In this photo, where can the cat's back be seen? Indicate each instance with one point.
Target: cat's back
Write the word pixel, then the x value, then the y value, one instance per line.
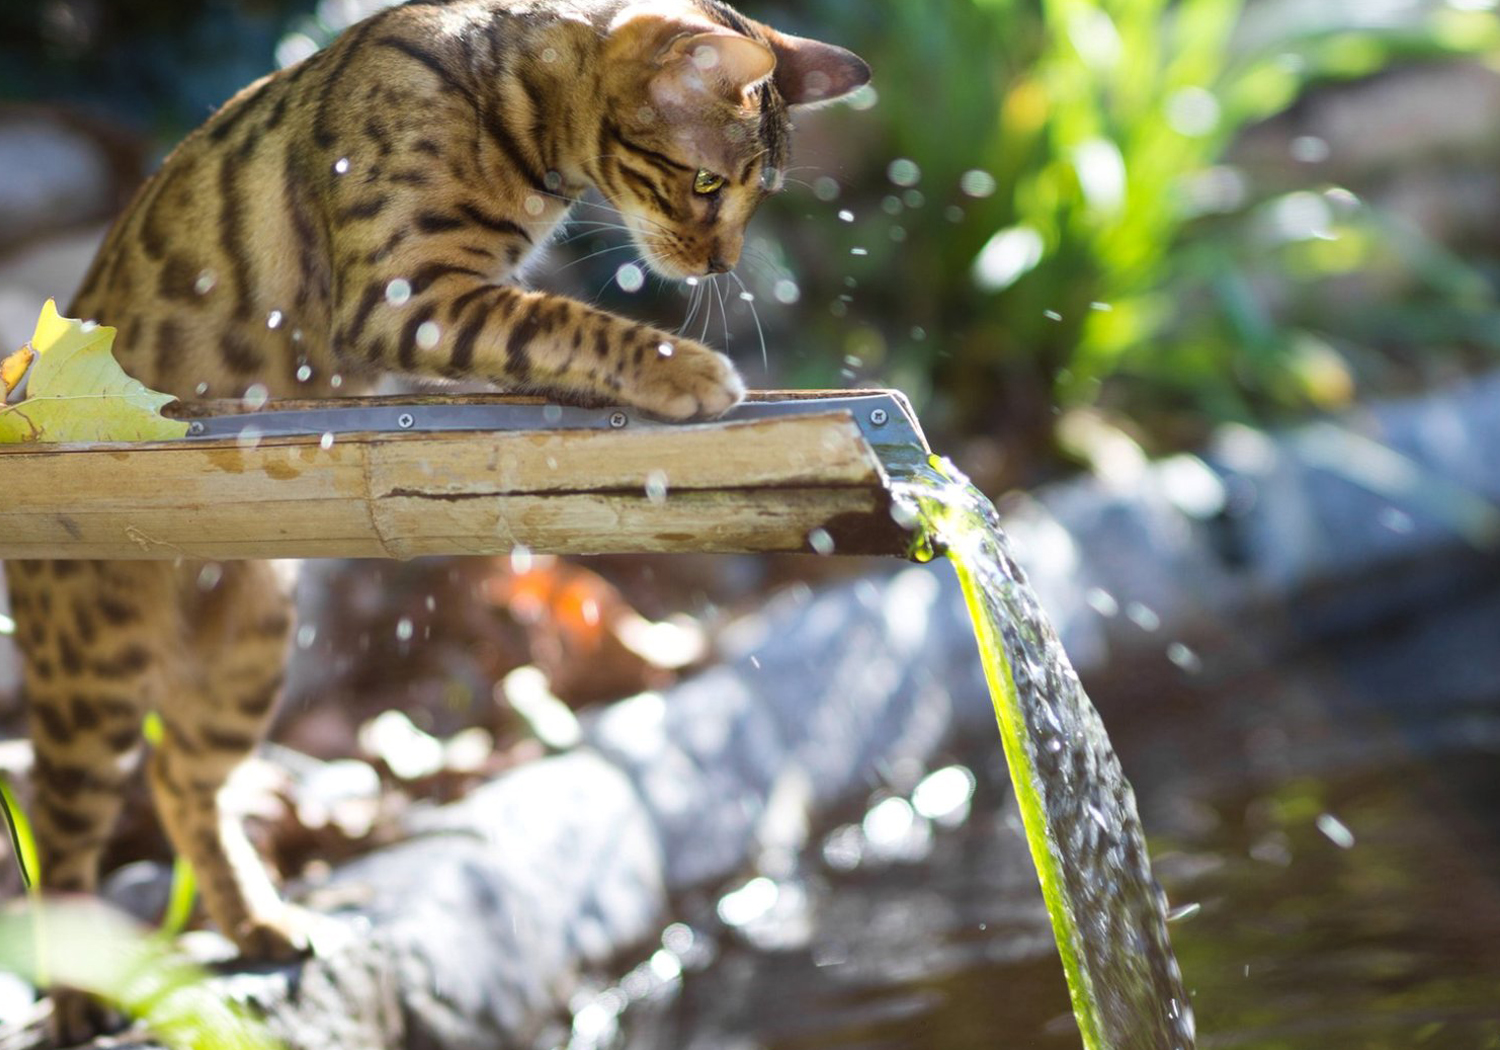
pixel 222 274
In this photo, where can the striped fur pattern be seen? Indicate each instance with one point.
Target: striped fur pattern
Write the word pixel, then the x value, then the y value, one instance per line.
pixel 366 212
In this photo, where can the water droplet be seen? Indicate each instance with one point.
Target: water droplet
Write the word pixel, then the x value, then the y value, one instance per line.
pixel 1052 315
pixel 953 213
pixel 859 251
pixel 534 204
pixel 656 487
pixel 748 297
pixel 209 576
pixel 787 292
pixel 630 277
pixel 398 292
pixel 1336 830
pixel 304 373
pixel 404 629
pixel 1102 602
pixel 521 560
pixel 326 441
pixel 913 198
pixel 977 183
pixel 553 180
pixel 1310 149
pixel 256 396
pixel 306 635
pixel 826 188
pixel 335 380
pixel 1396 520
pixel 341 166
pixel 820 541
pixel 705 57
pixel 1102 308
pixel 274 319
pixel 898 234
pixel 1142 616
pixel 205 283
pixel 904 172
pixel 892 205
pixel 845 215
pixel 1185 911
pixel 918 333
pixel 1184 658
pixel 428 334
pixel 664 350
pixel 549 54
pixel 201 389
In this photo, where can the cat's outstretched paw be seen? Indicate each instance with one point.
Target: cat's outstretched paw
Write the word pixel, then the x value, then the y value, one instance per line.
pixel 689 382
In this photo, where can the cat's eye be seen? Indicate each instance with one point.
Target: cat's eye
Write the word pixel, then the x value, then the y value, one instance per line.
pixel 706 182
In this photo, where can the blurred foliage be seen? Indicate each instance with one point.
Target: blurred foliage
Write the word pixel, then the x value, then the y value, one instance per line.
pixel 88 946
pixel 1038 206
pixel 1078 235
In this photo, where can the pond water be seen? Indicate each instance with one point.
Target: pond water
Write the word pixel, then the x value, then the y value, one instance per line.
pixel 1329 839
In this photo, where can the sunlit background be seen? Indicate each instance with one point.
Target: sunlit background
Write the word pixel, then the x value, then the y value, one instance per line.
pixel 1075 233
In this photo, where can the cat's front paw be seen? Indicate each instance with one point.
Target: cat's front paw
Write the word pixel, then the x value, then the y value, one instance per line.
pixel 687 381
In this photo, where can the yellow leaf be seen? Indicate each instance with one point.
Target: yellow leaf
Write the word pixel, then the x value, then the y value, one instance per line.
pixel 13 368
pixel 79 392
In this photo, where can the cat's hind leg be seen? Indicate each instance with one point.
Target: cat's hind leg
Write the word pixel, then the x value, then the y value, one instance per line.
pixel 93 649
pixel 214 712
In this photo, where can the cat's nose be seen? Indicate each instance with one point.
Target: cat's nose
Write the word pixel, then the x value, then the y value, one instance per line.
pixel 717 264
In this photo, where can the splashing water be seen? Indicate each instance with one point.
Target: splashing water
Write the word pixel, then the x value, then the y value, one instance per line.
pixel 1108 914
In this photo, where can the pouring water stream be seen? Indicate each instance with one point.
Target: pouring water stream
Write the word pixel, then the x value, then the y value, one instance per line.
pixel 1108 914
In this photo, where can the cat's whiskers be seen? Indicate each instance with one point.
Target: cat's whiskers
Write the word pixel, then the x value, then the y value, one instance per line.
pixel 749 300
pixel 708 314
pixel 695 299
pixel 724 310
pixel 593 255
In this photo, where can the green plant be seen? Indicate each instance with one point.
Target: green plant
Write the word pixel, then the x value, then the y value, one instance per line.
pixel 1079 234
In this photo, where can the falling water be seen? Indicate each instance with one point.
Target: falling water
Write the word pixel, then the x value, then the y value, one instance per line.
pixel 1108 914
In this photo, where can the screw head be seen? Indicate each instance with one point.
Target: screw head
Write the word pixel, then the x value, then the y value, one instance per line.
pixel 878 417
pixel 618 419
pixel 195 427
pixel 406 421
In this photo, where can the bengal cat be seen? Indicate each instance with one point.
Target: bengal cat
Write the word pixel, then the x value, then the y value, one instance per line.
pixel 366 212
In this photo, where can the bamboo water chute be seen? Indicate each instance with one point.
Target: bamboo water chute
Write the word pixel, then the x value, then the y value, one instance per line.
pixel 408 476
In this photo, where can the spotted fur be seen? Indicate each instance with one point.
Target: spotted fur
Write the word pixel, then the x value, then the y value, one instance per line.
pixel 366 212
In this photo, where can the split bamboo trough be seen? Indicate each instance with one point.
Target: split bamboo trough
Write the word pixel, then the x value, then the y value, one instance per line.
pixel 410 476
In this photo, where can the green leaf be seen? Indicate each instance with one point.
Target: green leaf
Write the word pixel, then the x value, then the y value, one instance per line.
pixel 79 392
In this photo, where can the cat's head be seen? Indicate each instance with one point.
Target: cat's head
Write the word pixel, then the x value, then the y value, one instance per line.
pixel 694 124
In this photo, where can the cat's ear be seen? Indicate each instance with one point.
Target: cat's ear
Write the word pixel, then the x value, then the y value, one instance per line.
pixel 809 71
pixel 691 59
pixel 716 63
